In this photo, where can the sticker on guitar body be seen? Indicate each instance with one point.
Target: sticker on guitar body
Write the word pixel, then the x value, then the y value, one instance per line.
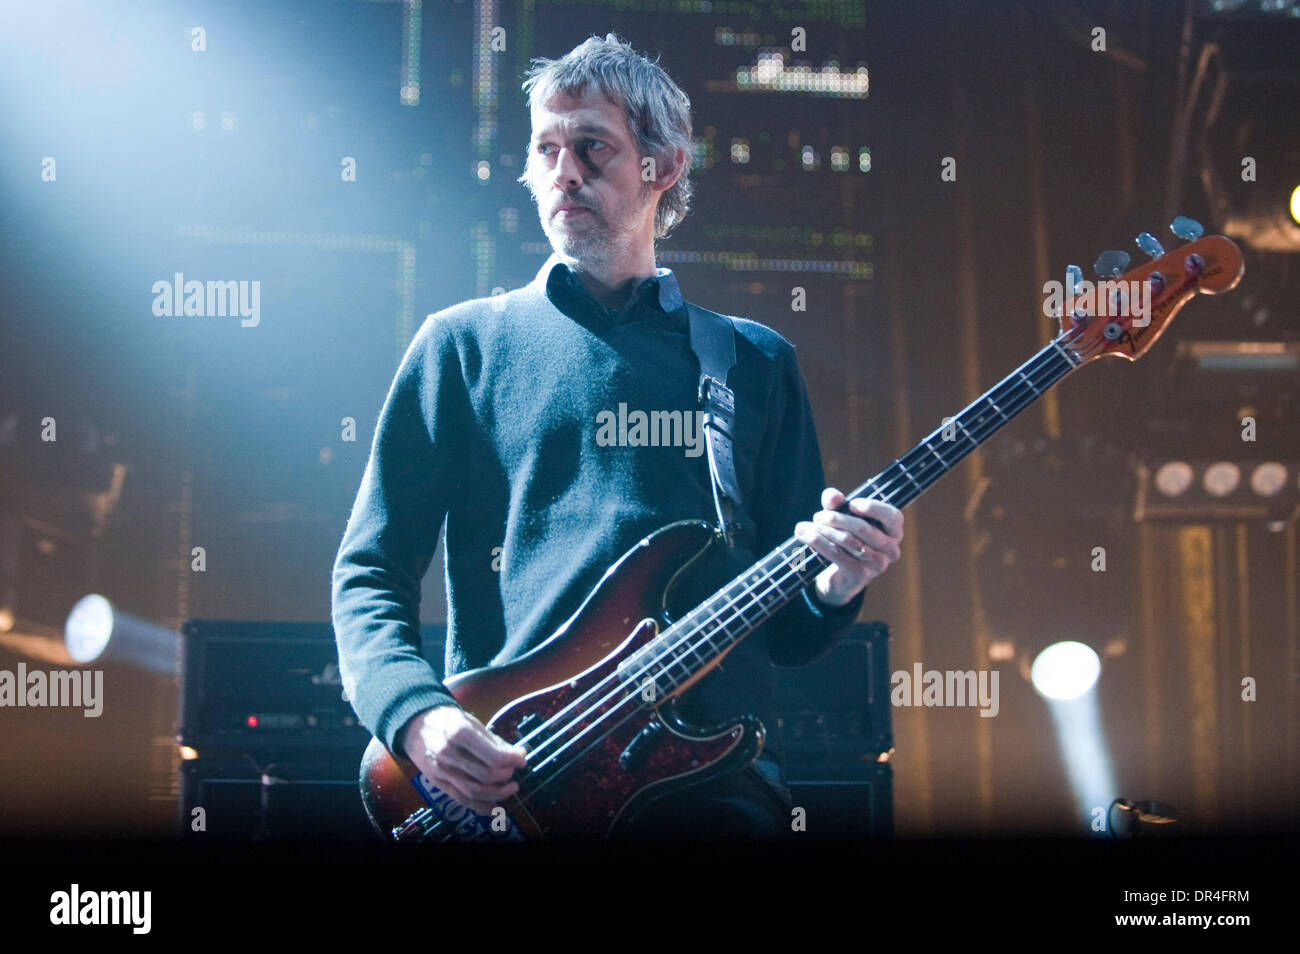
pixel 468 825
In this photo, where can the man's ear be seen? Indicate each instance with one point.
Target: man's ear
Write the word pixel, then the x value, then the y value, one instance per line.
pixel 675 170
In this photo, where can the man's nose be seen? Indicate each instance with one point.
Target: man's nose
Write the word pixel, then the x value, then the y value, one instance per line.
pixel 568 170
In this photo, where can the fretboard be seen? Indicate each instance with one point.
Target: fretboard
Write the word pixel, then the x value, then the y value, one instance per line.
pixel 700 639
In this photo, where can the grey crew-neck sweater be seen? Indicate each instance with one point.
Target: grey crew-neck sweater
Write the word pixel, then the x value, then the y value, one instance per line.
pixel 515 419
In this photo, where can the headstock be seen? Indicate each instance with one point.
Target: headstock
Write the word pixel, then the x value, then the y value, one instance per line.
pixel 1124 313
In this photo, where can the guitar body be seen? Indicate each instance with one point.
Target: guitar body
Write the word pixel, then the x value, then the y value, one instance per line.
pixel 595 795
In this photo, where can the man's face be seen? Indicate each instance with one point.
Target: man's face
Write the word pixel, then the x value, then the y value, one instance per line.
pixel 582 154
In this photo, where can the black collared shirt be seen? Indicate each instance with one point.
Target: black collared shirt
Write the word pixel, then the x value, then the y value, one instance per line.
pixel 654 297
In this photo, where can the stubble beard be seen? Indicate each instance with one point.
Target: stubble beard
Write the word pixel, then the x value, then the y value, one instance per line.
pixel 597 246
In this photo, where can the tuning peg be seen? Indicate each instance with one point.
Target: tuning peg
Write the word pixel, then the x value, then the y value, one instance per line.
pixel 1111 263
pixel 1185 228
pixel 1074 275
pixel 1150 244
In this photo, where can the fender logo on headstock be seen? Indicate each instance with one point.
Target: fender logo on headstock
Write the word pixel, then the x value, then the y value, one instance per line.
pixel 1170 298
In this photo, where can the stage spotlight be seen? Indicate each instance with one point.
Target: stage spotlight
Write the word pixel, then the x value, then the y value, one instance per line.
pixel 1295 204
pixel 1065 670
pixel 1174 478
pixel 97 630
pixel 89 626
pixel 1221 478
pixel 1065 674
pixel 1268 478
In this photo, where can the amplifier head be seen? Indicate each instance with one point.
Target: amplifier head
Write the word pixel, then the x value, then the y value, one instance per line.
pixel 268 689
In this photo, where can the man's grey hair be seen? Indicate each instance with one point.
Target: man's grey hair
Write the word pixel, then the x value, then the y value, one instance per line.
pixel 658 112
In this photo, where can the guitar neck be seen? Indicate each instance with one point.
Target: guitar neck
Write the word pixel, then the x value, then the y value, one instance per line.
pixel 912 474
pixel 698 641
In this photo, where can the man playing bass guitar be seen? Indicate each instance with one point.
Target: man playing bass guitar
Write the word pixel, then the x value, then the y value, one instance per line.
pixel 518 420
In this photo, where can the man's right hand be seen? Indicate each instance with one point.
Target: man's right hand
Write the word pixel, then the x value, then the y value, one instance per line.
pixel 462 757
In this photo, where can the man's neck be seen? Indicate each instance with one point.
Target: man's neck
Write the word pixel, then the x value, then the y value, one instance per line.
pixel 613 286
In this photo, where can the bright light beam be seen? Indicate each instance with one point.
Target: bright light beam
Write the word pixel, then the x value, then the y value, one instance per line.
pixel 1066 674
pixel 96 629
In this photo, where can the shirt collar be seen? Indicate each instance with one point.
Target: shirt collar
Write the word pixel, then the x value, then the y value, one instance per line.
pixel 661 291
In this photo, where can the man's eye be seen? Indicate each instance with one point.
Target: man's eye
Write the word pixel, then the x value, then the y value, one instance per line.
pixel 545 148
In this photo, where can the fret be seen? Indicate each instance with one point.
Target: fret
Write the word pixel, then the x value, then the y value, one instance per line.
pixel 662 664
pixel 989 402
pixel 646 659
pixel 908 475
pixel 741 613
pixel 1064 354
pixel 794 587
pixel 871 484
pixel 942 462
pixel 750 598
pixel 779 585
pixel 792 580
pixel 756 582
pixel 799 560
pixel 691 646
pixel 1030 383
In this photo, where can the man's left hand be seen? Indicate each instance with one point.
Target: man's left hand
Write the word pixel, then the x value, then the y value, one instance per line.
pixel 858 551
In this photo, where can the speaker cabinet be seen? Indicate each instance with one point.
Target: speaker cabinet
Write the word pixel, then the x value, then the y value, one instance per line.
pixel 291 801
pixel 845 803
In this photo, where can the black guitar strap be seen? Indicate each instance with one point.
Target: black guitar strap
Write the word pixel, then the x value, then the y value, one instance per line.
pixel 713 339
